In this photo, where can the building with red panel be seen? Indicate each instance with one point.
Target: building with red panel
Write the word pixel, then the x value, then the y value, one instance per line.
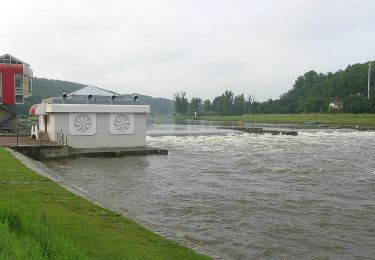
pixel 15 86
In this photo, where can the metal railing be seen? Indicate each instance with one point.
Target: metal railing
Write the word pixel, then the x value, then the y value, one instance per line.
pixel 61 138
pixel 102 100
pixel 19 140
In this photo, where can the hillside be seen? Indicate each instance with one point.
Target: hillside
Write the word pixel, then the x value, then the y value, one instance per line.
pixel 45 88
pixel 312 92
pixel 158 106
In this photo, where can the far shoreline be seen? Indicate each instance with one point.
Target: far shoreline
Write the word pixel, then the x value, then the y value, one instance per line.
pixel 318 120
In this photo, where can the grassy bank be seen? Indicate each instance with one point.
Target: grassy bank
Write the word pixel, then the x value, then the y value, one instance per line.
pixel 326 119
pixel 72 221
pixel 25 236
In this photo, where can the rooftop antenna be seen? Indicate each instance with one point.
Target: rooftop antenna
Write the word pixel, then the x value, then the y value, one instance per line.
pixel 368 81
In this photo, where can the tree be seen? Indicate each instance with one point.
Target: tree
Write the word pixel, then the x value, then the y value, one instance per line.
pixel 184 103
pixel 250 100
pixel 217 105
pixel 196 105
pixel 181 103
pixel 239 105
pixel 314 105
pixel 177 103
pixel 227 102
pixel 356 104
pixel 207 106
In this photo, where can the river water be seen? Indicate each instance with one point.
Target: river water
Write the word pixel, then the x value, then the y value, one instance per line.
pixel 246 196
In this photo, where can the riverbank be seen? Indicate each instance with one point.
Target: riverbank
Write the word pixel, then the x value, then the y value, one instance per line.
pixel 101 233
pixel 334 119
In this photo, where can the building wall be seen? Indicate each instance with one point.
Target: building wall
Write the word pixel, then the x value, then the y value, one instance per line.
pixel 26 82
pixel 102 136
pixel 8 71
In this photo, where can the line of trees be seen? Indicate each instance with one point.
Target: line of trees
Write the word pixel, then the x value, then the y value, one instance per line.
pixel 314 91
pixel 311 93
pixel 225 104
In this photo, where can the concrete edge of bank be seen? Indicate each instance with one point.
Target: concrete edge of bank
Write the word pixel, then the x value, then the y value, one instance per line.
pixel 51 152
pixel 43 170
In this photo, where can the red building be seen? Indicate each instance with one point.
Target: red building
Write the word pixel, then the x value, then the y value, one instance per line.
pixel 15 86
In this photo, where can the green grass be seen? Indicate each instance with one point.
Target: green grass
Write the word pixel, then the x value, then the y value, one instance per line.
pixel 100 233
pixel 339 119
pixel 24 236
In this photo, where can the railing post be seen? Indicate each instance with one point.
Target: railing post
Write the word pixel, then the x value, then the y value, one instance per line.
pixel 17 136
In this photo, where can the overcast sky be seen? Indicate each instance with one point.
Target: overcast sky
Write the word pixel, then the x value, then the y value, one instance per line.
pixel 203 47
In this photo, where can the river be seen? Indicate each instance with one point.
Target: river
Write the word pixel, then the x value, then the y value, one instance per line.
pixel 246 196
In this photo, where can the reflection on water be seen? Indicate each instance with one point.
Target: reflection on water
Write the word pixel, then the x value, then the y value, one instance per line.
pixel 248 196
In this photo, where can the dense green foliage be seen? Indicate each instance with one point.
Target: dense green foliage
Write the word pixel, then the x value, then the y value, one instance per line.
pixel 101 233
pixel 181 103
pixel 46 88
pixel 226 104
pixel 311 93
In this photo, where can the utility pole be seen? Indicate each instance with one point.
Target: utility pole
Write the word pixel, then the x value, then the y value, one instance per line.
pixel 368 81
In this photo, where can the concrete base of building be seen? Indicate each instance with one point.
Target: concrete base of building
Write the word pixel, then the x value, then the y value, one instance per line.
pixel 41 153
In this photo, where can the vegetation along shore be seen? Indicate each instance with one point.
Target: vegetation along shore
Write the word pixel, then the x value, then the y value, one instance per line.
pixel 334 119
pixel 345 91
pixel 41 220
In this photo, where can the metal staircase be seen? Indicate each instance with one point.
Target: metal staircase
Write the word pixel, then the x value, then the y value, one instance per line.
pixel 8 118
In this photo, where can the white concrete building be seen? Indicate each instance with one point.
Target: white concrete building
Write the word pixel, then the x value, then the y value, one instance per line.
pixel 92 121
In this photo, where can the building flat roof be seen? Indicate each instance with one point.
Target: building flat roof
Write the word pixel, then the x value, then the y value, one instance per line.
pixel 94 91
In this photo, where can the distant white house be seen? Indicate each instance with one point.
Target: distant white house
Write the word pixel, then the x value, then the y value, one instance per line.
pixel 92 118
pixel 336 105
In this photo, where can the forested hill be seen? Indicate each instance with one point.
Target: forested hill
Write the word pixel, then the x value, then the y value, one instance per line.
pixel 45 88
pixel 158 106
pixel 313 92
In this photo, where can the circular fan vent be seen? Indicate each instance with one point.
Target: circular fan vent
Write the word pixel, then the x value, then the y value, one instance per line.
pixel 121 122
pixel 82 123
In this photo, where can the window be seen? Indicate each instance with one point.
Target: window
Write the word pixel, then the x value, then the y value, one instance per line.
pixel 19 99
pixel 1 88
pixel 30 85
pixel 18 88
pixel 7 59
